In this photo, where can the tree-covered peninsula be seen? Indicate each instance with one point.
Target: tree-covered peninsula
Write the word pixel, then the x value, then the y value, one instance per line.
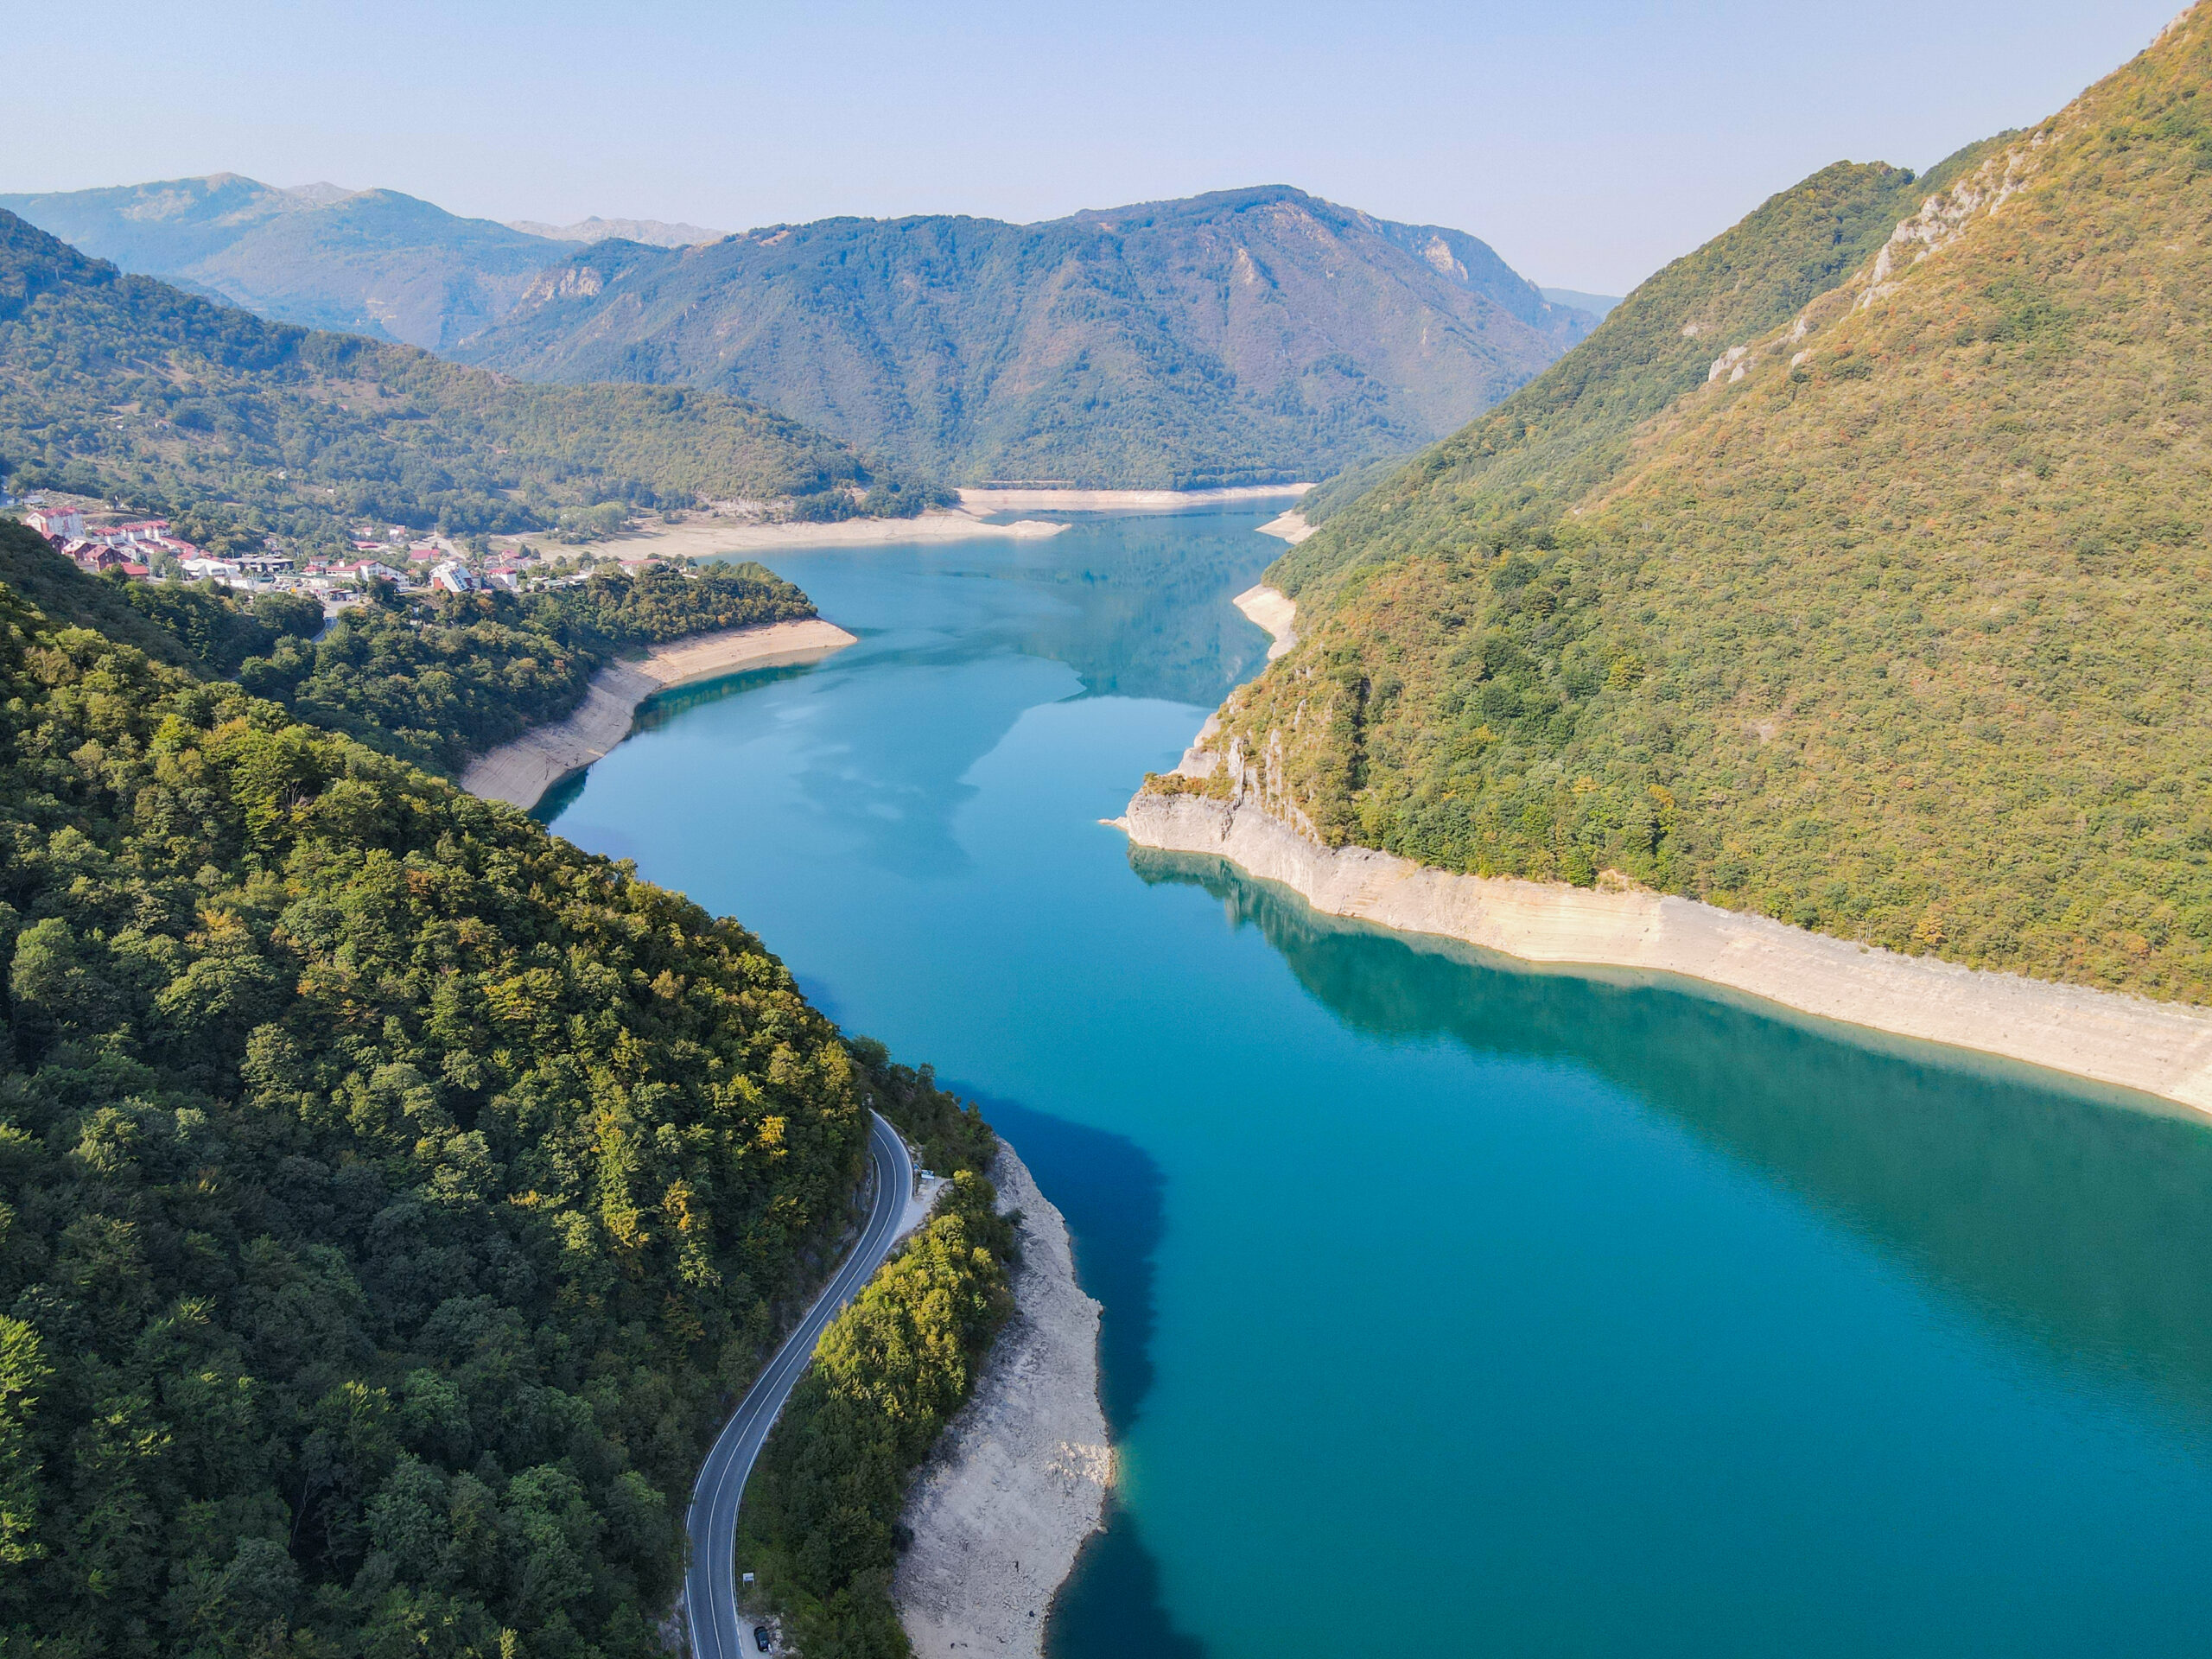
pixel 432 678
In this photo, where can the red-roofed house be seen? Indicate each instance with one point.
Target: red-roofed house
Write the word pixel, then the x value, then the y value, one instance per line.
pixel 93 555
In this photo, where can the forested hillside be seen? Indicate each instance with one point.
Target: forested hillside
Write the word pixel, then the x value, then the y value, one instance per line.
pixel 434 679
pixel 362 262
pixel 124 387
pixel 820 1522
pixel 439 681
pixel 1244 336
pixel 391 1189
pixel 1881 609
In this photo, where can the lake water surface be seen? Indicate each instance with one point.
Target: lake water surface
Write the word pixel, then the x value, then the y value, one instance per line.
pixel 1451 1306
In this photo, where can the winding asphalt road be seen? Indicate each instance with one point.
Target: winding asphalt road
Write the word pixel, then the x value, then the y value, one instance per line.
pixel 710 1584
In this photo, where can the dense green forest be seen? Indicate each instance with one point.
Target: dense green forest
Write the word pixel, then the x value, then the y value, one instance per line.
pixel 437 681
pixel 820 1520
pixel 432 680
pixel 1243 336
pixel 1878 610
pixel 391 1189
pixel 124 388
pixel 1318 505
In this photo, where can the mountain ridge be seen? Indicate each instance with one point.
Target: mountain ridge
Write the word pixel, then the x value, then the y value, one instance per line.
pixel 1240 336
pixel 124 386
pixel 372 262
pixel 654 233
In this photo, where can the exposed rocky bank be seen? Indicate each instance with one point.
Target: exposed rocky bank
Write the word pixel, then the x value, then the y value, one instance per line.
pixel 1019 1480
pixel 2161 1048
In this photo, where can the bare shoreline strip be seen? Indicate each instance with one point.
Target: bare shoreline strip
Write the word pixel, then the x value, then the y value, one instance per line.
pixel 709 539
pixel 2158 1048
pixel 1016 500
pixel 1018 1482
pixel 521 772
pixel 1290 526
pixel 1274 610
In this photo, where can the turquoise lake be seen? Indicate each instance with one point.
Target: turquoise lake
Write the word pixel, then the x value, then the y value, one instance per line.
pixel 1451 1306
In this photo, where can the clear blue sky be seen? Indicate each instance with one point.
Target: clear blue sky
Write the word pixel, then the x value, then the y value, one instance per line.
pixel 1589 141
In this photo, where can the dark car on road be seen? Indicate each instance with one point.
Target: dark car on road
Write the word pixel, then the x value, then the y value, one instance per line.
pixel 760 1637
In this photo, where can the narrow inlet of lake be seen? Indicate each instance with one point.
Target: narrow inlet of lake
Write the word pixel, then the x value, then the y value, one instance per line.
pixel 1451 1306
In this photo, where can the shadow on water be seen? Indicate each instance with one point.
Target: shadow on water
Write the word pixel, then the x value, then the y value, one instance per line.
pixel 664 706
pixel 658 711
pixel 1112 1194
pixel 1112 1607
pixel 2083 1221
pixel 563 796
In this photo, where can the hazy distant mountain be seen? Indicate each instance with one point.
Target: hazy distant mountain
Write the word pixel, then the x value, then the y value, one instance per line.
pixel 124 387
pixel 372 262
pixel 654 233
pixel 1596 304
pixel 1247 334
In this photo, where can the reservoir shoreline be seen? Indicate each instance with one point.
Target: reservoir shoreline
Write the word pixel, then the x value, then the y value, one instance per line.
pixel 1122 501
pixel 522 770
pixel 1289 526
pixel 714 537
pixel 2163 1049
pixel 1018 1480
pixel 1921 1283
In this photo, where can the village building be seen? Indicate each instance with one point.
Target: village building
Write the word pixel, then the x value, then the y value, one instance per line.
pixel 366 570
pixel 94 557
pixel 57 524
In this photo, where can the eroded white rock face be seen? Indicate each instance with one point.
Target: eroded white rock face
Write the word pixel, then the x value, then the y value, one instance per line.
pixel 568 283
pixel 1020 1480
pixel 1942 217
pixel 1439 254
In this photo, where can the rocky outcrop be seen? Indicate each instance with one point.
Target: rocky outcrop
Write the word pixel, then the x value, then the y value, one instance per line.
pixel 1019 1481
pixel 2161 1048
